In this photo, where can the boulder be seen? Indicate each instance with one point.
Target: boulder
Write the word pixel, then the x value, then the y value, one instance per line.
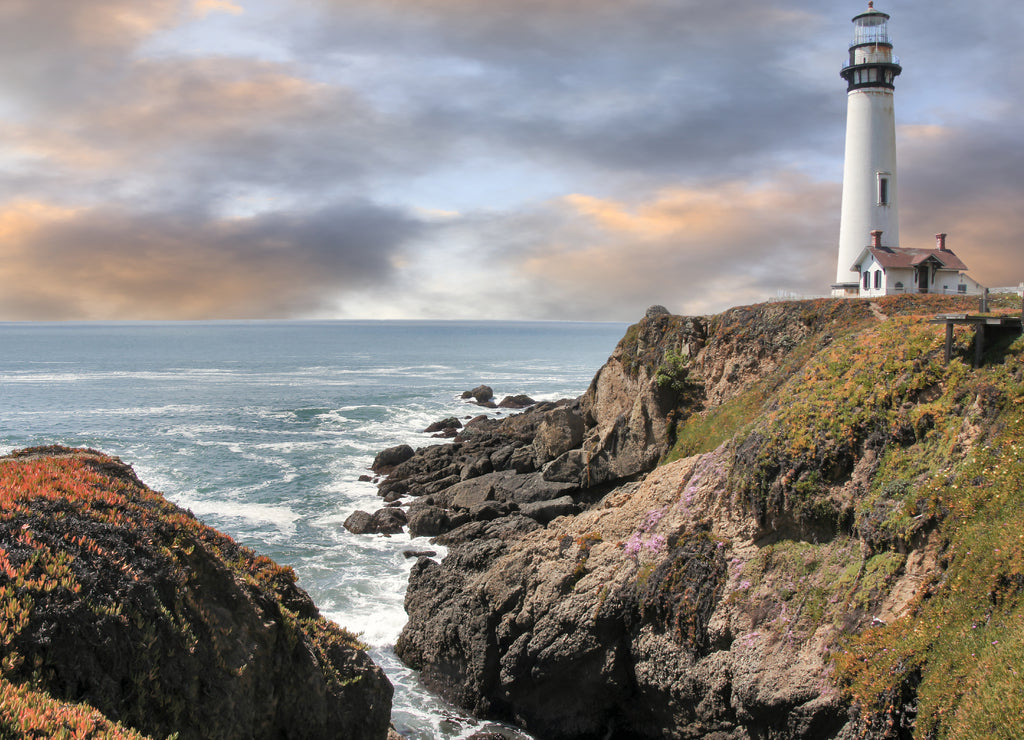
pixel 359 522
pixel 480 394
pixel 516 402
pixel 428 521
pixel 383 521
pixel 560 431
pixel 392 456
pixel 476 467
pixel 546 511
pixel 656 311
pixel 472 492
pixel 444 425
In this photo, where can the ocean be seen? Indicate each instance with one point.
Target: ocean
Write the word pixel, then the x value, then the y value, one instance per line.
pixel 262 429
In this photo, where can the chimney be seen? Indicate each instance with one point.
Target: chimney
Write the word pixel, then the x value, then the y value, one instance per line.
pixel 940 242
pixel 876 238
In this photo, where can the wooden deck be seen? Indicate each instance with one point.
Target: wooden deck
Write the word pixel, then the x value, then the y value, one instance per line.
pixel 984 326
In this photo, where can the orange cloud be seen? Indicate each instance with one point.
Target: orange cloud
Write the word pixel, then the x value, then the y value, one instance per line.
pixel 691 248
pixel 203 8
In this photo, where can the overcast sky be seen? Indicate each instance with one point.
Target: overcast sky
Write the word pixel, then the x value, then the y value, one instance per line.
pixel 530 159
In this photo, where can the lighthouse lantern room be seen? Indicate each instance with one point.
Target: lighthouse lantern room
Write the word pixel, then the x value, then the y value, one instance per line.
pixel 869 170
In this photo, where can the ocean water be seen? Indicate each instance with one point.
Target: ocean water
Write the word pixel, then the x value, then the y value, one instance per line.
pixel 262 430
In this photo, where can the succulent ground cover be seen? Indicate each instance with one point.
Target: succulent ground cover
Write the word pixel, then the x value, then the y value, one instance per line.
pixel 114 599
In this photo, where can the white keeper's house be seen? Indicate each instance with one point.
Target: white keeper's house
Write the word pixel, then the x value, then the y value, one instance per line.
pixel 893 270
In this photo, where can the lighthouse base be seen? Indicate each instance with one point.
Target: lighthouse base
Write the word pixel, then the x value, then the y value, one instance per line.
pixel 845 290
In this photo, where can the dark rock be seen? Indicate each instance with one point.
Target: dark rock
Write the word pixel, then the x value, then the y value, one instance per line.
pixel 428 521
pixel 359 522
pixel 392 456
pixel 472 492
pixel 478 466
pixel 510 527
pixel 546 511
pixel 481 394
pixel 523 460
pixel 383 521
pixel 444 425
pixel 488 510
pixel 501 456
pixel 516 402
pixel 408 554
pixel 365 478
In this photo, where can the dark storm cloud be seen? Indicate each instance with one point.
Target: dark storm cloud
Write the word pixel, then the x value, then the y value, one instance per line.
pixel 700 87
pixel 109 263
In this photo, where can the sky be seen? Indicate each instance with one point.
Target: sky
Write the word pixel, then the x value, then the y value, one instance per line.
pixel 478 159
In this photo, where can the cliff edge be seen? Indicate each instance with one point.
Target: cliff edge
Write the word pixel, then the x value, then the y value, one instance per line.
pixel 791 520
pixel 122 615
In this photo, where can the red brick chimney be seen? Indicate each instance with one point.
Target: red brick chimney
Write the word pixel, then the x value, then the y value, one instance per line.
pixel 876 238
pixel 940 242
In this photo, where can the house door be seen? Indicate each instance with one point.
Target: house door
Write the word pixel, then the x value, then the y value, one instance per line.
pixel 922 279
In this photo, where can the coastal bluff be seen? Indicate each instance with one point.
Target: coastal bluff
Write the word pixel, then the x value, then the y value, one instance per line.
pixel 789 520
pixel 122 616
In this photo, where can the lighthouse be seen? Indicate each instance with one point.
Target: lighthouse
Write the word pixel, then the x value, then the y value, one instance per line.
pixel 869 169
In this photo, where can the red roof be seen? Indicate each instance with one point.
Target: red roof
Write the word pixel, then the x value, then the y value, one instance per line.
pixel 896 257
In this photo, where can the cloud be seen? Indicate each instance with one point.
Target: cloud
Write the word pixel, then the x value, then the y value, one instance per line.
pixel 203 8
pixel 501 158
pixel 107 263
pixel 965 181
pixel 694 250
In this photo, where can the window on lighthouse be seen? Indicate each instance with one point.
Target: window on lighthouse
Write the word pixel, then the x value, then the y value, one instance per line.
pixel 883 189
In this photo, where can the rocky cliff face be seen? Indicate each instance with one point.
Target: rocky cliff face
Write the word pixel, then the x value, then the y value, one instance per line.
pixel 113 599
pixel 832 552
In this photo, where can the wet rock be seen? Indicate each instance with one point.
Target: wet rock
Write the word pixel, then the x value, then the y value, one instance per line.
pixel 392 456
pixel 516 402
pixel 450 423
pixel 428 521
pixel 383 521
pixel 481 394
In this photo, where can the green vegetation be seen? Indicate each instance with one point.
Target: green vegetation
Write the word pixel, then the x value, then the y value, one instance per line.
pixel 112 595
pixel 864 446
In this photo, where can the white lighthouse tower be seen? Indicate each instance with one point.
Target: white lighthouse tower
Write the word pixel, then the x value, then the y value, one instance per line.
pixel 869 169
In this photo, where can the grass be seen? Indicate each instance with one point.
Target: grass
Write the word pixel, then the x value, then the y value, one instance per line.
pixel 941 451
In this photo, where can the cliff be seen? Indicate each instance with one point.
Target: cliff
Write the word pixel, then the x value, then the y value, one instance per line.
pixel 123 616
pixel 791 520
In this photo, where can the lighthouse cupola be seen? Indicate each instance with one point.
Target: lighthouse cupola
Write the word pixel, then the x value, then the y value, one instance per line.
pixel 872 63
pixel 869 167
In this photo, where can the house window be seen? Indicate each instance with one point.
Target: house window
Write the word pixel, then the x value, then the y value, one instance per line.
pixel 867 280
pixel 961 288
pixel 883 188
pixel 878 279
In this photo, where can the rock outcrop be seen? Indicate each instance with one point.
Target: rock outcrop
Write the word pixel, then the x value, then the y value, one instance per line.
pixel 828 549
pixel 113 598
